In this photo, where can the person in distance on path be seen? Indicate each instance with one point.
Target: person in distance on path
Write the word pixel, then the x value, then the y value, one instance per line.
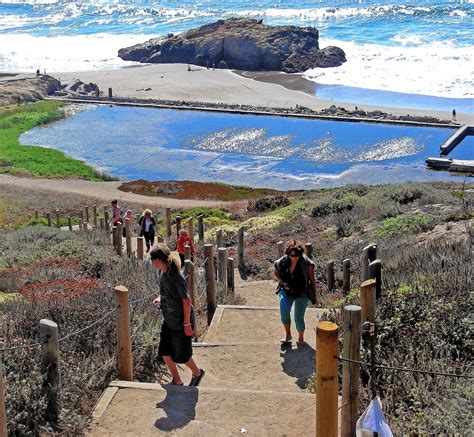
pixel 177 328
pixel 295 273
pixel 147 225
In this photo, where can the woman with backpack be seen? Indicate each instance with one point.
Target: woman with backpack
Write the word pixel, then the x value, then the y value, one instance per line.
pixel 294 272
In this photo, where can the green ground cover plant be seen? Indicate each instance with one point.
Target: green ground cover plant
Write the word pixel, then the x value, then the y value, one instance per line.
pixel 33 160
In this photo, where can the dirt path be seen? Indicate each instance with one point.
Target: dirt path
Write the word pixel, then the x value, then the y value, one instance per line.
pixel 107 191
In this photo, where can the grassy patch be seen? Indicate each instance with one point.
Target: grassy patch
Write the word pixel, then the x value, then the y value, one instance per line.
pixel 405 223
pixel 34 160
pixel 6 296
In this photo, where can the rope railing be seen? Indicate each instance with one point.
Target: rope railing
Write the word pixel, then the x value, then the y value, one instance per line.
pixel 404 369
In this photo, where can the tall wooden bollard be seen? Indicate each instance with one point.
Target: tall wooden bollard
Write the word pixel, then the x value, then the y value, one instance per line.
pixel 128 237
pixel 114 237
pixel 69 222
pixel 81 226
pixel 36 214
pixel 280 249
pixel 346 275
pixel 326 379
pixel 308 250
pixel 58 219
pixel 222 266
pixel 160 239
pixel 190 224
pixel 210 281
pixel 240 247
pixel 178 224
pixel 189 275
pixel 119 233
pixel 3 410
pixel 29 217
pixel 86 209
pixel 94 215
pixel 350 371
pixel 124 338
pixel 367 301
pixel 168 222
pixel 48 218
pixel 140 253
pixel 50 367
pixel 219 239
pixel 187 252
pixel 330 275
pixel 110 93
pixel 375 272
pixel 81 214
pixel 102 223
pixel 107 221
pixel 201 227
pixel 369 253
pixel 230 275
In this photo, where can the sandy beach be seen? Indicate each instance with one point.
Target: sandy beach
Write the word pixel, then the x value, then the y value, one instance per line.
pixel 175 82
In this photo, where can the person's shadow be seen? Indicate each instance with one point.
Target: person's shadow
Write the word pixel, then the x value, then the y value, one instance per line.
pixel 179 406
pixel 298 362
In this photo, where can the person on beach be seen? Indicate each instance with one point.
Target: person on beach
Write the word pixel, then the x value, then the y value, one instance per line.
pixel 178 316
pixel 294 272
pixel 184 240
pixel 147 225
pixel 116 213
pixel 128 215
pixel 454 115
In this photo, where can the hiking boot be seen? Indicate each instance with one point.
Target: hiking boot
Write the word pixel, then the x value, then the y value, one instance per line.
pixel 195 380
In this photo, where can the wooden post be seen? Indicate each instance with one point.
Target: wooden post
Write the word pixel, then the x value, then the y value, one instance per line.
pixel 110 93
pixel 137 217
pixel 222 266
pixel 94 215
pixel 230 275
pixel 201 227
pixel 210 281
pixel 240 248
pixel 367 301
pixel 3 410
pixel 308 250
pixel 369 253
pixel 114 237
pixel 106 219
pixel 58 221
pixel 160 239
pixel 330 276
pixel 187 252
pixel 140 254
pixel 189 275
pixel 350 371
pixel 119 233
pixel 326 379
pixel 50 367
pixel 191 229
pixel 124 338
pixel 81 228
pixel 346 275
pixel 81 215
pixel 101 223
pixel 48 217
pixel 168 222
pixel 280 249
pixel 128 237
pixel 29 217
pixel 86 209
pixel 36 214
pixel 178 224
pixel 219 240
pixel 375 272
pixel 69 222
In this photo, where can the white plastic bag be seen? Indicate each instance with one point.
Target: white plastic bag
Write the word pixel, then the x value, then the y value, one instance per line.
pixel 373 420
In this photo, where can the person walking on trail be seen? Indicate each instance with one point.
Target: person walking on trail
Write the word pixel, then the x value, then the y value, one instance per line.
pixel 116 213
pixel 128 215
pixel 147 225
pixel 183 240
pixel 294 272
pixel 178 317
pixel 454 115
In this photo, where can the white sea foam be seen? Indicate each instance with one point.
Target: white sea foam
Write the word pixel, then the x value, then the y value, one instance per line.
pixel 437 69
pixel 21 52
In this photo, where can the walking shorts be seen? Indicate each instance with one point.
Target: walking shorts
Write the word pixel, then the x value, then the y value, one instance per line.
pixel 176 344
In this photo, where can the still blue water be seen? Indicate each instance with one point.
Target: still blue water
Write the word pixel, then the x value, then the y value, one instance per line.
pixel 258 151
pixel 417 48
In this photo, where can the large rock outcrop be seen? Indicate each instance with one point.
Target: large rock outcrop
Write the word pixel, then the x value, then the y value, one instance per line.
pixel 241 44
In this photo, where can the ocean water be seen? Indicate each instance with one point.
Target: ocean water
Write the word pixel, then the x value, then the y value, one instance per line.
pixel 259 151
pixel 416 48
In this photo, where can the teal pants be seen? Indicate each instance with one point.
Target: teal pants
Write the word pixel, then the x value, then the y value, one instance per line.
pixel 286 302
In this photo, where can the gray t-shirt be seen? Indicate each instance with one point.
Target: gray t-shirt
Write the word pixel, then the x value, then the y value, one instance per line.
pixel 173 290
